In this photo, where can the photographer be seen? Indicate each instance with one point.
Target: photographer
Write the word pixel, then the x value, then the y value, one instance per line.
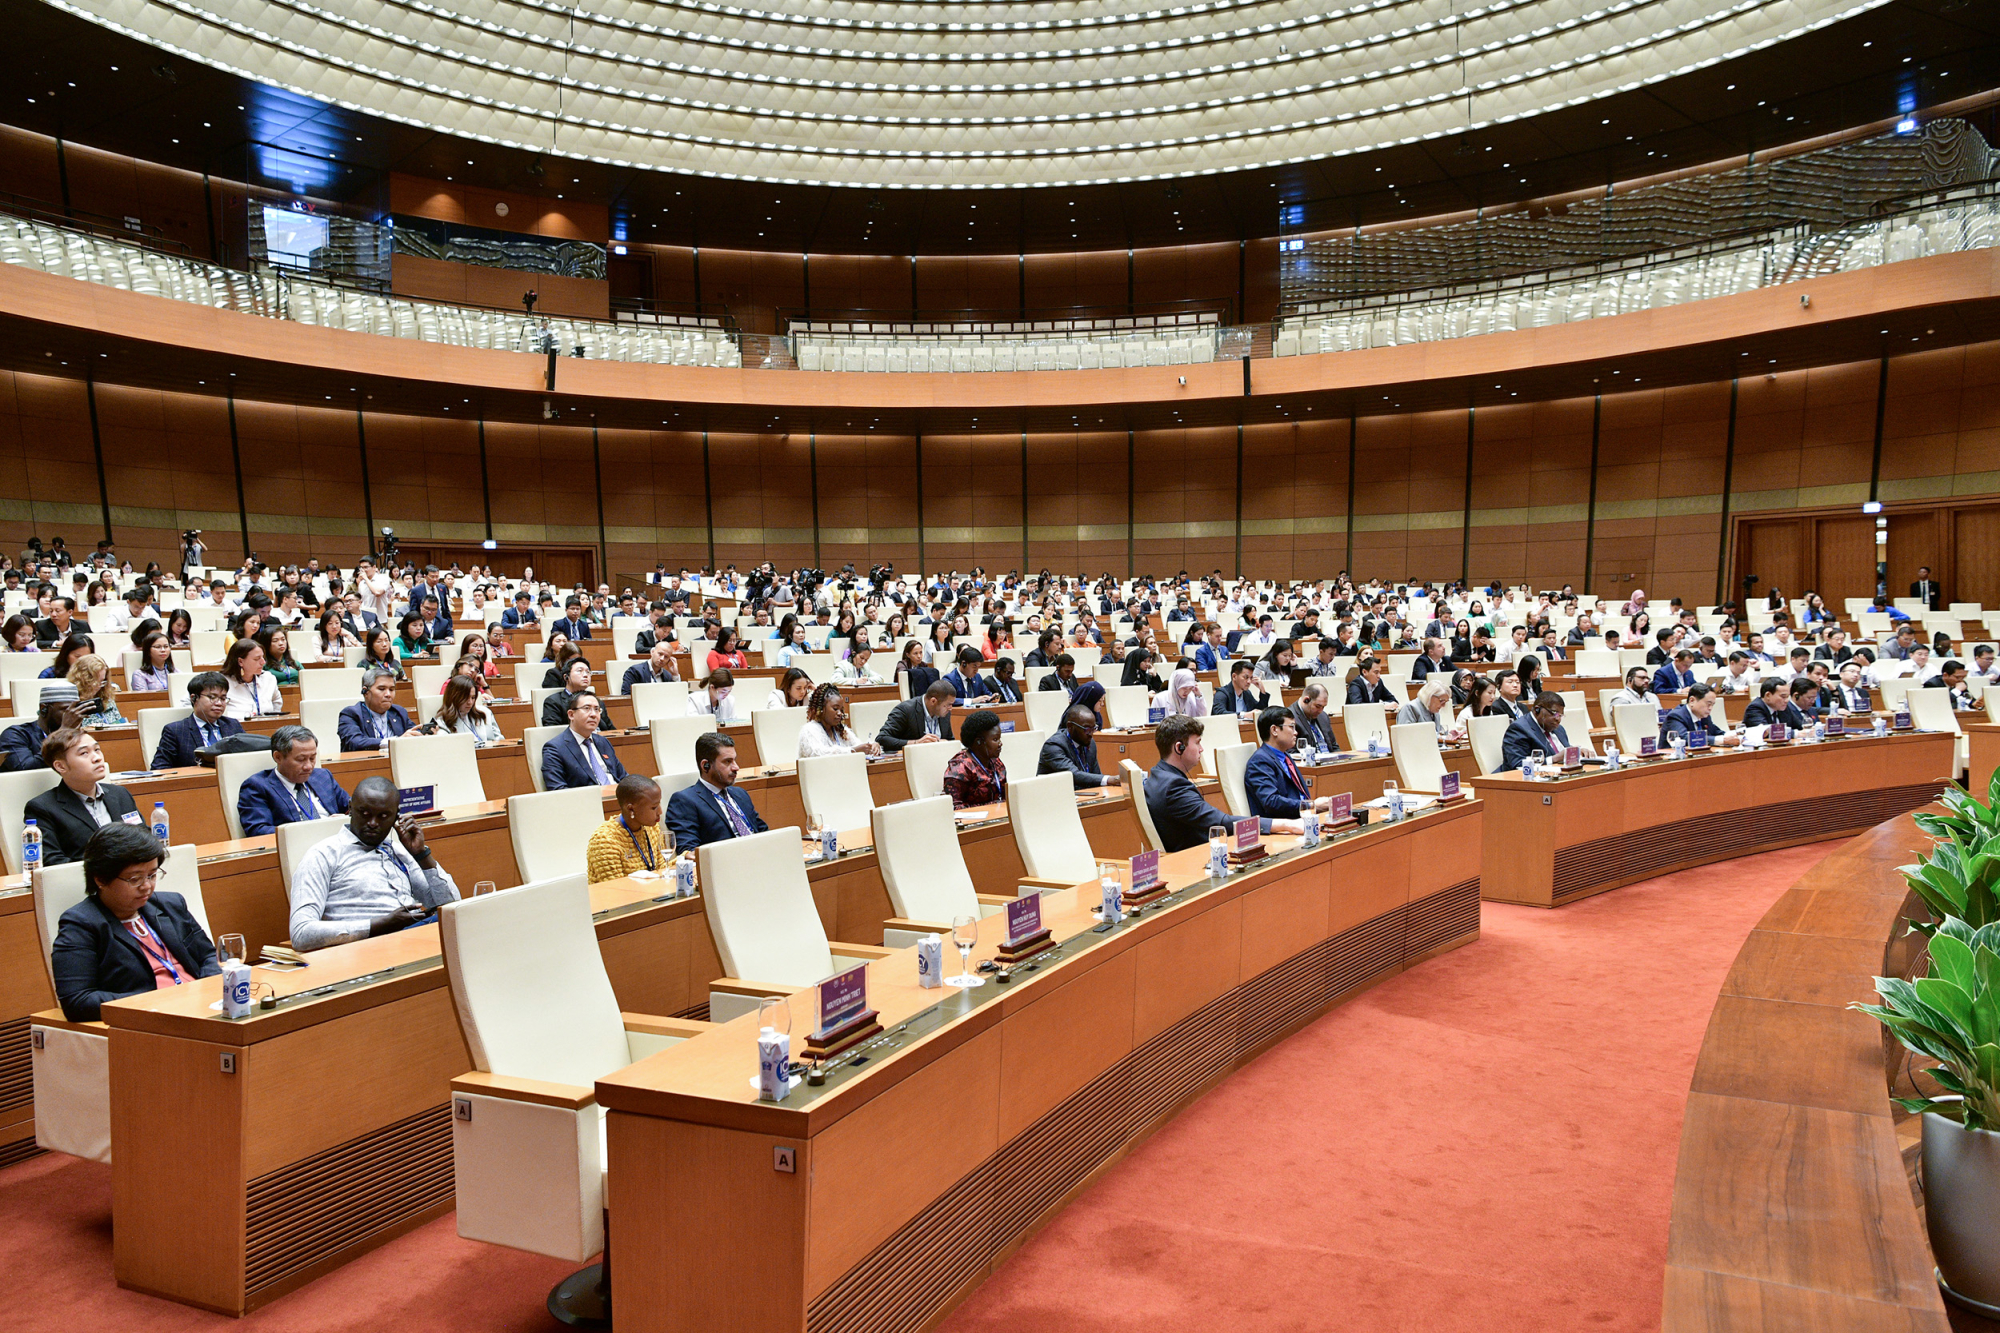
pixel 192 549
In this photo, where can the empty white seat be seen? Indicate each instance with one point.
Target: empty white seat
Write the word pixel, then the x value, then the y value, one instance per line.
pixel 924 766
pixel 923 868
pixel 777 732
pixel 1419 763
pixel 767 931
pixel 835 788
pixel 449 762
pixel 551 831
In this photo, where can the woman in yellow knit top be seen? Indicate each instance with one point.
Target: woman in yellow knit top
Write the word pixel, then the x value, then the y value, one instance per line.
pixel 634 839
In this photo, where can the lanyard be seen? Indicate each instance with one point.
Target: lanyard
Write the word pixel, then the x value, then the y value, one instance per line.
pixel 643 846
pixel 999 782
pixel 144 935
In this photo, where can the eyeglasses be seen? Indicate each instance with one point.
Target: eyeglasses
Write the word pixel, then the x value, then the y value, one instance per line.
pixel 147 880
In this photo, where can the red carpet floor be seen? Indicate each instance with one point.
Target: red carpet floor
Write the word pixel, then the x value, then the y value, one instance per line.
pixel 1485 1143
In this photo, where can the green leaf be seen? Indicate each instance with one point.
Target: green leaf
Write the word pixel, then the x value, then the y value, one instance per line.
pixel 1949 1000
pixel 1951 958
pixel 1919 1105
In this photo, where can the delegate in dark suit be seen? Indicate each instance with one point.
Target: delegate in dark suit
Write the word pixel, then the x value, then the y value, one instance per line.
pixel 179 740
pixel 96 960
pixel 1052 681
pixel 1524 736
pixel 1928 592
pixel 1061 754
pixel 642 674
pixel 921 679
pixel 1667 680
pixel 1315 734
pixel 1360 692
pixel 360 728
pixel 1760 714
pixel 1181 816
pixel 1227 699
pixel 974 686
pixel 1272 782
pixel 564 763
pixel 905 723
pixel 21 746
pixel 66 824
pixel 695 817
pixel 1680 722
pixel 266 800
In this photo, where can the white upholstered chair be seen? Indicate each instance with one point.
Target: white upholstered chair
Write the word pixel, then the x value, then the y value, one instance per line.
pixel 835 787
pixel 532 741
pixel 542 1025
pixel 1048 831
pixel 924 766
pixel 153 721
pixel 777 732
pixel 1362 721
pixel 1231 761
pixel 230 771
pixel 449 762
pixel 551 830
pixel 923 868
pixel 1135 782
pixel 658 698
pixel 1488 733
pixel 1419 763
pixel 766 929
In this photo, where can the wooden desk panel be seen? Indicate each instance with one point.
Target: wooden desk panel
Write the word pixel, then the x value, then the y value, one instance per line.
pixel 239 1178
pixel 1552 843
pixel 1983 756
pixel 1791 1207
pixel 888 1221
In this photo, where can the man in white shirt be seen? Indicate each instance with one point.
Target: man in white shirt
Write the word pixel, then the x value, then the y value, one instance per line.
pixel 1739 678
pixel 375 590
pixel 361 882
pixel 1984 666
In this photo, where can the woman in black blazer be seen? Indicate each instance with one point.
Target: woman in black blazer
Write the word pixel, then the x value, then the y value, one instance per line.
pixel 911 664
pixel 124 938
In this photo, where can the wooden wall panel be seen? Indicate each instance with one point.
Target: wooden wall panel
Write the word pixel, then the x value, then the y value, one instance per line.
pixel 842 471
pixel 529 214
pixel 1092 279
pixel 1775 553
pixel 29 163
pixel 997 489
pixel 1843 560
pixel 1054 504
pixel 947 283
pixel 166 201
pixel 1104 510
pixel 753 285
pixel 859 282
pixel 948 501
pixel 1976 572
pixel 892 500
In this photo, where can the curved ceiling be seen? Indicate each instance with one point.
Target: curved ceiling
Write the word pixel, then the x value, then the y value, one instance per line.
pixel 959 95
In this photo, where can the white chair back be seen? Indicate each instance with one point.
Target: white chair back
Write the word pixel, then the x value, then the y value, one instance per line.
pixel 426 679
pixel 777 732
pixel 153 721
pixel 208 646
pixel 230 771
pixel 835 787
pixel 1045 709
pixel 1488 733
pixel 760 910
pixel 322 718
pixel 449 762
pixel 1930 709
pixel 551 831
pixel 1419 763
pixel 1135 782
pixel 528 677
pixel 1231 761
pixel 529 984
pixel 24 666
pixel 1021 752
pixel 16 790
pixel 1363 721
pixel 867 716
pixel 673 742
pixel 658 698
pixel 1126 705
pixel 295 840
pixel 1048 828
pixel 924 766
pixel 923 866
pixel 1633 723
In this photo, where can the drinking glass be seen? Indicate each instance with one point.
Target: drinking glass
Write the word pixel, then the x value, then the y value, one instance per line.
pixel 230 946
pixel 1218 840
pixel 666 842
pixel 775 1012
pixel 484 887
pixel 965 934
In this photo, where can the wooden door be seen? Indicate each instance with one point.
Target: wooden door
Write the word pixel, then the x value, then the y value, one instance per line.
pixel 1773 550
pixel 1975 575
pixel 1844 559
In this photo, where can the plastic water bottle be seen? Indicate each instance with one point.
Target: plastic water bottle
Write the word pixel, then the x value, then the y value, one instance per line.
pixel 1610 758
pixel 774 1059
pixel 1529 763
pixel 1680 745
pixel 31 851
pixel 1311 828
pixel 684 876
pixel 930 962
pixel 1819 730
pixel 160 828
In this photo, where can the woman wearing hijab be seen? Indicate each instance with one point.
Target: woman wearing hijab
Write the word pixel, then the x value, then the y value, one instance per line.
pixel 1183 696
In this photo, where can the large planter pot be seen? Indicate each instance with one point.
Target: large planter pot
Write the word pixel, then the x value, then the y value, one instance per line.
pixel 1962 1209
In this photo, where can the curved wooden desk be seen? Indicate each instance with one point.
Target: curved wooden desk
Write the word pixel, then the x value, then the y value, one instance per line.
pixel 1552 842
pixel 1791 1207
pixel 974 1120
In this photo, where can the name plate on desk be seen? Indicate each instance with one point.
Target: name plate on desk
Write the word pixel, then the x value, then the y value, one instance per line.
pixel 1026 935
pixel 844 1015
pixel 1146 882
pixel 1776 733
pixel 1663 715
pixel 1572 757
pixel 1156 715
pixel 1249 843
pixel 1342 806
pixel 1648 746
pixel 416 800
pixel 1447 788
pixel 1836 726
pixel 1697 740
pixel 1902 722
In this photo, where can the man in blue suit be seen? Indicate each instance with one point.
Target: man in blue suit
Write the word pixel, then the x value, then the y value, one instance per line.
pixel 1271 780
pixel 293 790
pixel 572 622
pixel 1540 728
pixel 522 612
pixel 1675 676
pixel 1071 750
pixel 208 694
pixel 1180 815
pixel 377 719
pixel 1691 717
pixel 1774 704
pixel 577 756
pixel 714 808
pixel 966 683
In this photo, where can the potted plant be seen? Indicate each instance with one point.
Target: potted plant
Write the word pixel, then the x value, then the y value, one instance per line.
pixel 1961 876
pixel 1953 1016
